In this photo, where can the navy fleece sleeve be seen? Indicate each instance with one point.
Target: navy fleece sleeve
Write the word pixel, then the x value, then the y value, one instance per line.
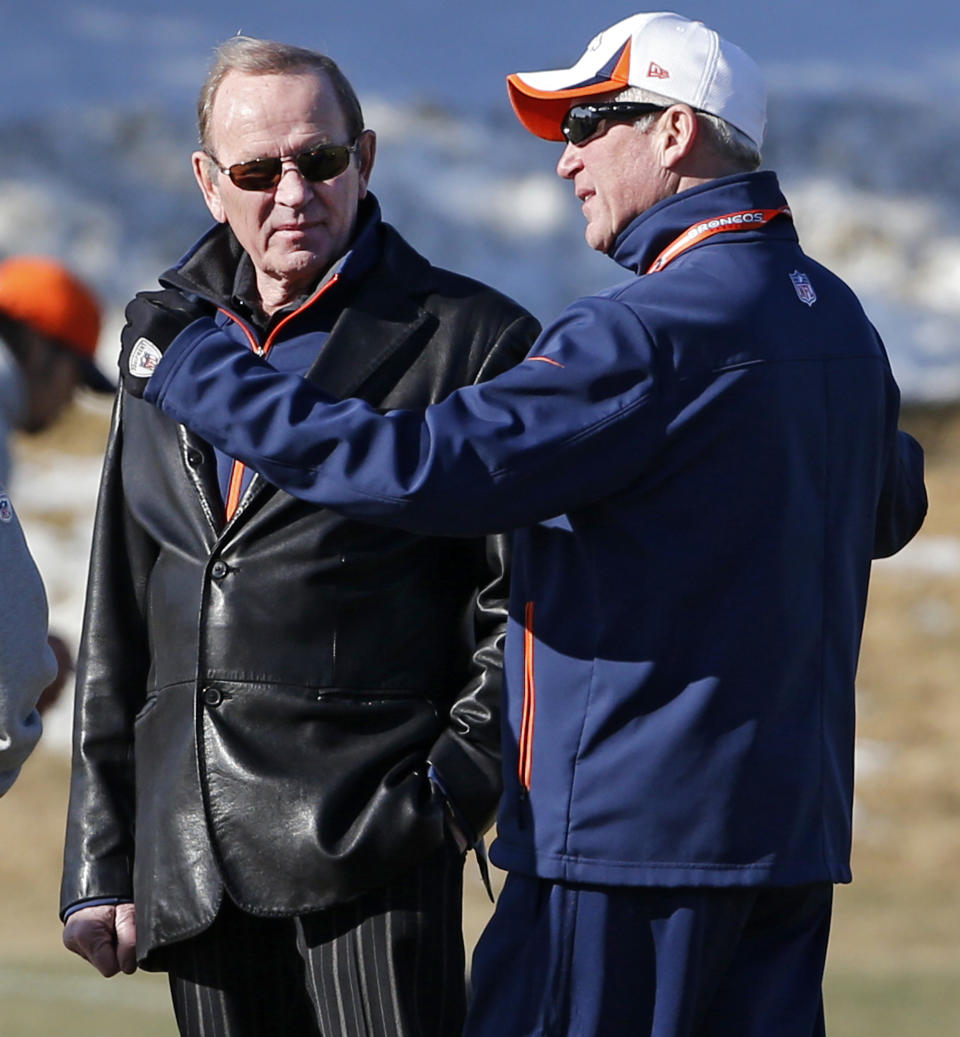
pixel 573 422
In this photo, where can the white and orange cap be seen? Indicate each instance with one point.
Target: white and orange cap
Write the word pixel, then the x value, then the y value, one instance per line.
pixel 677 58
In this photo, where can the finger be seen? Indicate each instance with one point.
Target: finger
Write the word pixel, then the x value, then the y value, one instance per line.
pixel 126 926
pixel 93 945
pixel 103 957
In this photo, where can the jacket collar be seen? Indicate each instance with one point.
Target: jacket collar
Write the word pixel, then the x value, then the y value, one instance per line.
pixel 383 314
pixel 642 240
pixel 383 274
pixel 387 281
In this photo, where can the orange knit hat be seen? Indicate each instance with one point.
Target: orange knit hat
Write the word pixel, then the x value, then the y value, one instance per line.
pixel 44 295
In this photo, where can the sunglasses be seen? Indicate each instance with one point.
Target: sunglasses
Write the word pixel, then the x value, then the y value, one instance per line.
pixel 585 121
pixel 322 162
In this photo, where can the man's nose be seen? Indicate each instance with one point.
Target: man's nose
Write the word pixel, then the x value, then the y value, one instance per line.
pixel 569 162
pixel 292 188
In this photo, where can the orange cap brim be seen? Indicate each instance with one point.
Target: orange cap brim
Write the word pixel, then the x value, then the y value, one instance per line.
pixel 542 111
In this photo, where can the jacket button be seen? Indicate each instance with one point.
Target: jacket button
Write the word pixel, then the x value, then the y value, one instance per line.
pixel 212 696
pixel 194 458
pixel 219 570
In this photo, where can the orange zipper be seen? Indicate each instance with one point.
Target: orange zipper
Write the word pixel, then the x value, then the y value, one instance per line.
pixel 525 765
pixel 236 472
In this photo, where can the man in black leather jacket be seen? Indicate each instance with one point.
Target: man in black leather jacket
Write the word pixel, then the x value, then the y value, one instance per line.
pixel 286 729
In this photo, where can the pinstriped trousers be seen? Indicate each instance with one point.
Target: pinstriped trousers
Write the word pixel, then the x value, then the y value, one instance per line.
pixel 388 964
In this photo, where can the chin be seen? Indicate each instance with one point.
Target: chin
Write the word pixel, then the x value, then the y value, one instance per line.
pixel 597 241
pixel 302 265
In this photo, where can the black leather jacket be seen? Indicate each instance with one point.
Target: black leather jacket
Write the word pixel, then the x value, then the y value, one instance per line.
pixel 258 700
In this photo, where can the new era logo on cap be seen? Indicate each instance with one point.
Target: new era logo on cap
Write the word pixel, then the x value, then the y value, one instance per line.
pixel 679 59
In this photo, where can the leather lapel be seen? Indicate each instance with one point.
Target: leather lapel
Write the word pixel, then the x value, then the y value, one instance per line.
pixel 201 467
pixel 383 315
pixel 359 345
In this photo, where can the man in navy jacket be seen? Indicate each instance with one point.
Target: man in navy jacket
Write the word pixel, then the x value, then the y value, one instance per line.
pixel 698 465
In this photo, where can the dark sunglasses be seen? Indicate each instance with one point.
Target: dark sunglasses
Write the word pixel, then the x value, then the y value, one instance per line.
pixel 322 162
pixel 585 121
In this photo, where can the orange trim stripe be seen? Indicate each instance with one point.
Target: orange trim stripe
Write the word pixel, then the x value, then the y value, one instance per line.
pixel 529 700
pixel 621 72
pixel 236 473
pixel 233 489
pixel 289 317
pixel 534 93
pixel 546 360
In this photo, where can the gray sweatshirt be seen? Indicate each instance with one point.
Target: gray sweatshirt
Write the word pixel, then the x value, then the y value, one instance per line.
pixel 27 663
pixel 13 394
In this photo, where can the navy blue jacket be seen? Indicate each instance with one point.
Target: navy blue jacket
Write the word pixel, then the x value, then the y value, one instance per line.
pixel 699 464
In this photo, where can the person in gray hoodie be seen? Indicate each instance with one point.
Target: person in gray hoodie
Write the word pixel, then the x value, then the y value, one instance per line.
pixel 27 664
pixel 49 330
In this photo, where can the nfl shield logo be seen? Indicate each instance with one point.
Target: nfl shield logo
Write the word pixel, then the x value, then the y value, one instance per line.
pixel 6 510
pixel 804 288
pixel 144 358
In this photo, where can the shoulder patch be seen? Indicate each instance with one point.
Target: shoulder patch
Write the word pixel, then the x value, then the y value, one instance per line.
pixel 144 358
pixel 803 288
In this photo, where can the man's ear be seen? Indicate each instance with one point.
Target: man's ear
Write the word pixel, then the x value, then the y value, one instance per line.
pixel 679 129
pixel 366 153
pixel 205 171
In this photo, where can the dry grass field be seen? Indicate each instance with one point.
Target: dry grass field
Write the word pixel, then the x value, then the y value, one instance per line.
pixel 894 967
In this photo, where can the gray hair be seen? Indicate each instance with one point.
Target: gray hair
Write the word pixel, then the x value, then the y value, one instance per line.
pixel 258 57
pixel 731 144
